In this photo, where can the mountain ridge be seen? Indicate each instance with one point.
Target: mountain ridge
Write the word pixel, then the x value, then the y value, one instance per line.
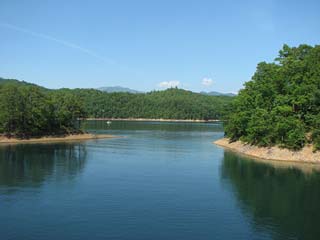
pixel 215 93
pixel 113 89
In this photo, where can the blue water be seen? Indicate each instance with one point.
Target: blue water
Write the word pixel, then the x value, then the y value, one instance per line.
pixel 158 181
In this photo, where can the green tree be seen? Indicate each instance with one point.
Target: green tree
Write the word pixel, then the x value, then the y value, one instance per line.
pixel 281 103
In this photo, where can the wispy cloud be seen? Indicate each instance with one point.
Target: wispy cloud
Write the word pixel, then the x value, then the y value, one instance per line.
pixel 59 41
pixel 207 82
pixel 169 84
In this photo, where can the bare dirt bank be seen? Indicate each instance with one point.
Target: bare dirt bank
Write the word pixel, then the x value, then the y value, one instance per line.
pixel 150 120
pixel 47 139
pixel 306 155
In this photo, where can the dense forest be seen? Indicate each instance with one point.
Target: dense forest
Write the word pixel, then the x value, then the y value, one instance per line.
pixel 281 104
pixel 170 104
pixel 30 110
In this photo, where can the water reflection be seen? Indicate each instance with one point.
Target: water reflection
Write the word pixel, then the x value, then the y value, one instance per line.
pixel 284 201
pixel 154 126
pixel 31 165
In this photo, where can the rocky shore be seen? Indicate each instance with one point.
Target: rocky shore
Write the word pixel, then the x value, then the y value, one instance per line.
pixel 272 153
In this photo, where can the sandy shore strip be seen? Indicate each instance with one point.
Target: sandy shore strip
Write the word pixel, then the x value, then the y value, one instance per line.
pixel 305 155
pixel 49 139
pixel 151 120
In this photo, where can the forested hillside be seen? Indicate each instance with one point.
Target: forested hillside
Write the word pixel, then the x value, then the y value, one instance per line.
pixel 171 104
pixel 29 110
pixel 281 103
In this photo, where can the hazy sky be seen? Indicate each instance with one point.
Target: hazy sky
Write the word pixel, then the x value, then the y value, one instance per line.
pixel 197 45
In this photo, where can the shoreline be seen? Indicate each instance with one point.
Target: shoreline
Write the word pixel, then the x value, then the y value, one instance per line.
pixel 152 120
pixel 51 139
pixel 305 155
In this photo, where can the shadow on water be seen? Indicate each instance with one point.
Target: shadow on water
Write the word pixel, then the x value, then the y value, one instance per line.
pixel 283 200
pixel 32 164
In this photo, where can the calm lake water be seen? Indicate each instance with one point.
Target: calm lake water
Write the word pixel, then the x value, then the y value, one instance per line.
pixel 160 181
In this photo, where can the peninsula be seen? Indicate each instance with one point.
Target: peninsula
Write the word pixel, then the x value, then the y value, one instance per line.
pixel 277 114
pixel 52 139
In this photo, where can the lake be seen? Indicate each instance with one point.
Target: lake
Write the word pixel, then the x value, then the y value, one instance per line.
pixel 158 181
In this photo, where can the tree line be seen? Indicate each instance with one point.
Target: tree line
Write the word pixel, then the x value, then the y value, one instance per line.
pixel 30 110
pixel 172 103
pixel 280 105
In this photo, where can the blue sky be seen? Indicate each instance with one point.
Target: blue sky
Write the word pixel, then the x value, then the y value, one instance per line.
pixel 146 45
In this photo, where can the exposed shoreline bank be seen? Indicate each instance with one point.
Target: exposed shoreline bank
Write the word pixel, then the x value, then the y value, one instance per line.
pixel 49 139
pixel 305 155
pixel 151 120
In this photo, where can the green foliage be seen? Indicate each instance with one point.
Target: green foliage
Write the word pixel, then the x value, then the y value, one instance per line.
pixel 170 104
pixel 259 128
pixel 28 110
pixel 281 103
pixel 316 138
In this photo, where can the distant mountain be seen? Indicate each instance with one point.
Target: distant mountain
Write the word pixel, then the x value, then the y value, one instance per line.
pixel 118 89
pixel 124 89
pixel 213 93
